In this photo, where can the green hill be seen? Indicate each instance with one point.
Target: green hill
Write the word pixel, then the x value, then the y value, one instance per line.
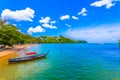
pixel 59 39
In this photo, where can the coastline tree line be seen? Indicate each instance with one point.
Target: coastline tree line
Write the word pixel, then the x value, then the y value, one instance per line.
pixel 11 35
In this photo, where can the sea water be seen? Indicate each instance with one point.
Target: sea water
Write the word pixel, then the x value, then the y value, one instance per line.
pixel 67 62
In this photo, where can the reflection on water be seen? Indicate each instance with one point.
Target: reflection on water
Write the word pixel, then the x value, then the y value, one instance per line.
pixel 16 70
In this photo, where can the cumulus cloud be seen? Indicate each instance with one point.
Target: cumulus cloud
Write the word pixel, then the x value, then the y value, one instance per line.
pixel 64 17
pixel 49 26
pixel 107 3
pixel 102 33
pixel 45 20
pixel 15 24
pixel 52 22
pixel 83 12
pixel 68 25
pixel 35 30
pixel 74 17
pixel 18 15
pixel 47 23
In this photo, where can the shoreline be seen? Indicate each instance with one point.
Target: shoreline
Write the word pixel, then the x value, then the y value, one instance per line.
pixel 15 49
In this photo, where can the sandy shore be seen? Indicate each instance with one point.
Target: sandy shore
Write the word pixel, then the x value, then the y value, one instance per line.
pixel 16 49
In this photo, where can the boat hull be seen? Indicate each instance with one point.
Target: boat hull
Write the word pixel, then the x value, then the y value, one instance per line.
pixel 29 58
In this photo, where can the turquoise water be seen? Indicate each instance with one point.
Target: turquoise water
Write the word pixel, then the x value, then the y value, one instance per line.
pixel 68 62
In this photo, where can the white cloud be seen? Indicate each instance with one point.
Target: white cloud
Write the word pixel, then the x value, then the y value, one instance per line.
pixel 47 23
pixel 107 3
pixel 49 26
pixel 52 22
pixel 74 17
pixel 18 15
pixel 83 12
pixel 64 17
pixel 68 25
pixel 35 30
pixel 45 20
pixel 15 24
pixel 102 33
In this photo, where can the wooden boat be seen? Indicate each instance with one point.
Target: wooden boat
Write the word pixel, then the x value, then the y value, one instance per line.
pixel 30 53
pixel 28 58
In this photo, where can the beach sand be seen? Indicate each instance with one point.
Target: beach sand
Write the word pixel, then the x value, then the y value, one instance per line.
pixel 14 50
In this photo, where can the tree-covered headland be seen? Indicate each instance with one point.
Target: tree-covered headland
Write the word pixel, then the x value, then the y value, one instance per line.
pixel 58 39
pixel 119 43
pixel 10 35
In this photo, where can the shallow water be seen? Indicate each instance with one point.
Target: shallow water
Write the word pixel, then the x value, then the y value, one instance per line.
pixel 67 62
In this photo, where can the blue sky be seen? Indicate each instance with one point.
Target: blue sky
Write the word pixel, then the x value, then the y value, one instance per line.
pixel 91 20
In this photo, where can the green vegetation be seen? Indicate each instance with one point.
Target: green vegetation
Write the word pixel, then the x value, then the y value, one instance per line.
pixel 10 35
pixel 119 43
pixel 59 39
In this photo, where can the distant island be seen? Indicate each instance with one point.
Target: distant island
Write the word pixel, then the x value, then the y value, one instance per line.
pixel 10 35
pixel 59 39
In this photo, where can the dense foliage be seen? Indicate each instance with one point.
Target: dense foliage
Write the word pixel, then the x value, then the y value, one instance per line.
pixel 10 35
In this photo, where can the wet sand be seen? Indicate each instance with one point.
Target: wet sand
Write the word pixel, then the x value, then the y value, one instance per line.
pixel 15 49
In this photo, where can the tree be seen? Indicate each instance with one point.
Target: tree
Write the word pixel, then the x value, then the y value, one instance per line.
pixel 10 35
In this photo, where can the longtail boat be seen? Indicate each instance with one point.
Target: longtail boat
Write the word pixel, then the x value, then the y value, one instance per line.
pixel 28 58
